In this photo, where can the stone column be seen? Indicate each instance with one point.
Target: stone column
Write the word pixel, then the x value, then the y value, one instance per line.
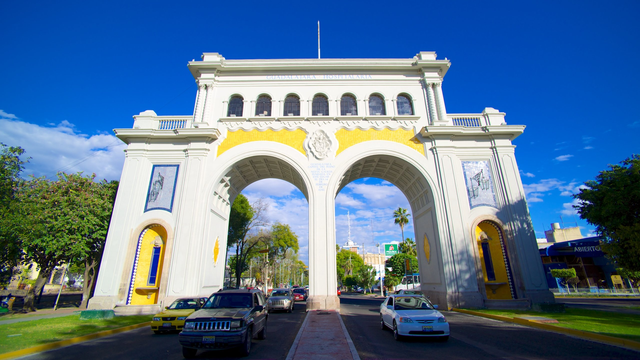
pixel 431 103
pixel 442 111
pixel 198 109
pixel 322 253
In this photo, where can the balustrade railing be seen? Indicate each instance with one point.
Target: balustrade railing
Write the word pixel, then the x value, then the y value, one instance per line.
pixel 468 120
pixel 173 123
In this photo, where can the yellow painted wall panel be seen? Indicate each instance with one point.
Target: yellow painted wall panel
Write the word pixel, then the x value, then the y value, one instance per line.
pixel 294 138
pixel 347 138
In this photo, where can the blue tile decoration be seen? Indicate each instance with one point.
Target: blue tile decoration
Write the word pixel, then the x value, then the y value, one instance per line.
pixel 477 177
pixel 162 188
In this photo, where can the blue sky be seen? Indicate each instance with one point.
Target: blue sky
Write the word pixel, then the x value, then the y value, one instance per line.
pixel 71 71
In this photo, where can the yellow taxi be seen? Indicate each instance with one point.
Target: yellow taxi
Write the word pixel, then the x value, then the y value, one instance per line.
pixel 174 315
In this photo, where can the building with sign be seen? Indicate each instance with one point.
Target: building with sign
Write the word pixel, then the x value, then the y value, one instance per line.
pixel 391 249
pixel 320 124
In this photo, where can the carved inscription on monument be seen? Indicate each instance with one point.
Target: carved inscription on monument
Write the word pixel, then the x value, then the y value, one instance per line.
pixel 321 173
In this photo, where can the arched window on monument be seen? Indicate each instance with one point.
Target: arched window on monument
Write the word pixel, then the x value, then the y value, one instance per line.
pixel 235 106
pixel 263 107
pixel 348 106
pixel 320 106
pixel 376 105
pixel 292 106
pixel 404 105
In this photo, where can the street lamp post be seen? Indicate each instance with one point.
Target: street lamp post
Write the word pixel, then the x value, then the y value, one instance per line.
pixel 380 270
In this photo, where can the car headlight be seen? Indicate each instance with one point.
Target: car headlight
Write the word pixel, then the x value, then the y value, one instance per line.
pixel 269 301
pixel 182 318
pixel 236 324
pixel 405 320
pixel 189 325
pixel 156 319
pixel 442 320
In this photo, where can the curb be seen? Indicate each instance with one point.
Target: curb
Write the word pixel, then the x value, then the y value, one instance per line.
pixel 67 342
pixel 609 340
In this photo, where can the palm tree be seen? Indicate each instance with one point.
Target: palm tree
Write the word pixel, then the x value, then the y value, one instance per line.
pixel 401 217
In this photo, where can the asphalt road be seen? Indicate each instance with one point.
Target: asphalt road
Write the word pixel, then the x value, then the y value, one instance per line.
pixel 142 343
pixel 471 338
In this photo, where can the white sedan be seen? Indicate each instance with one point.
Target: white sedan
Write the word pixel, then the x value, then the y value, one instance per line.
pixel 413 315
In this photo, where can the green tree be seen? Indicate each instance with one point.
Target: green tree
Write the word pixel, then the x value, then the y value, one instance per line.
pixel 401 218
pixel 243 218
pixel 63 221
pixel 347 263
pixel 612 204
pixel 366 277
pixel 409 247
pixel 10 168
pixel 94 206
pixel 397 264
pixel 564 275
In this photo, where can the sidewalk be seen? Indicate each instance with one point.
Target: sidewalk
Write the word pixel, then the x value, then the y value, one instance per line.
pixel 323 336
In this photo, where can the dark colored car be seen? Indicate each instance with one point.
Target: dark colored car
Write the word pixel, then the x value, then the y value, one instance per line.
pixel 230 318
pixel 300 294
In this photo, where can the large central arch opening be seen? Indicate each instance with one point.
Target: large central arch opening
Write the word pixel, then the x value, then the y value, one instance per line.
pixel 276 185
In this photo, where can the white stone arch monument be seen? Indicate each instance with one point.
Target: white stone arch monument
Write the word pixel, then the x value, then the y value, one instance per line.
pixel 476 245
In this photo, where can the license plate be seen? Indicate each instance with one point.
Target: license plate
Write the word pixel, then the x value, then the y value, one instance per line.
pixel 166 325
pixel 208 339
pixel 427 328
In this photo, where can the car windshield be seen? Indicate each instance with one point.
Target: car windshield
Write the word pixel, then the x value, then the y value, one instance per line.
pixel 280 293
pixel 218 301
pixel 412 292
pixel 298 291
pixel 184 304
pixel 412 303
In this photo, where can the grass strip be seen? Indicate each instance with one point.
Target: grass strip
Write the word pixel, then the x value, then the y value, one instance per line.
pixel 620 325
pixel 23 335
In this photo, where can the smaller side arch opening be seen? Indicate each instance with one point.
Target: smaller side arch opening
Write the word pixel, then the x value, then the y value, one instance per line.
pixel 146 273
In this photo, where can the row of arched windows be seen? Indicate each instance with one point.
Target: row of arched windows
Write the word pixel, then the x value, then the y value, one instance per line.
pixel 320 105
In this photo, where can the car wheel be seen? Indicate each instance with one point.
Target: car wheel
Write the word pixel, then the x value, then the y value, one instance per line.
pixel 293 306
pixel 246 347
pixel 395 332
pixel 263 333
pixel 382 325
pixel 189 353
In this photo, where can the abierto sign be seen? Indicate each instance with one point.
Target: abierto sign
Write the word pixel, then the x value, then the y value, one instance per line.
pixel 390 249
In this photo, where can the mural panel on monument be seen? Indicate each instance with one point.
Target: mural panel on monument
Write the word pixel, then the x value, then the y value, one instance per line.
pixel 162 188
pixel 477 177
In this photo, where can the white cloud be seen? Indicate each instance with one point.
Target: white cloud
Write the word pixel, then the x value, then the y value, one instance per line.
pixel 568 208
pixel 530 175
pixel 60 149
pixel 379 195
pixel 5 115
pixel 635 124
pixel 271 187
pixel 587 139
pixel 588 147
pixel 563 157
pixel 348 201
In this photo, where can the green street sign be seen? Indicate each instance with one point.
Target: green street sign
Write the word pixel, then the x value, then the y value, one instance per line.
pixel 390 249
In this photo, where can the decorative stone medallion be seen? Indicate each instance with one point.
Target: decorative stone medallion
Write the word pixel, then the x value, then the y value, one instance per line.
pixel 320 144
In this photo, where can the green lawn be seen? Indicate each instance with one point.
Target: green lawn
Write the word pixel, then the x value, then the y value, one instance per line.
pixel 27 334
pixel 626 326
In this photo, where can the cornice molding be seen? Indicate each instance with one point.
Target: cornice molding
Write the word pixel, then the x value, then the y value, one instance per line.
pixel 129 136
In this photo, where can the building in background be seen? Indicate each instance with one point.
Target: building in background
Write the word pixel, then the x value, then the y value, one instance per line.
pixel 566 248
